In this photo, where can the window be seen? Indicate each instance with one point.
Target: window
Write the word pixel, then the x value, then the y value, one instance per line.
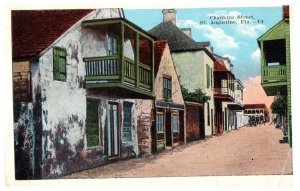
pixel 175 123
pixel 160 122
pixel 167 88
pixel 92 123
pixel 208 114
pixel 127 123
pixel 112 45
pixel 59 64
pixel 208 76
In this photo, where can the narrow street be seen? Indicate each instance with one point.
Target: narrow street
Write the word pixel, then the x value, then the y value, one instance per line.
pixel 247 151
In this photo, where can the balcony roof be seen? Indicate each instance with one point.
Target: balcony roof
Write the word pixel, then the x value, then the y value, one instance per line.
pixel 111 21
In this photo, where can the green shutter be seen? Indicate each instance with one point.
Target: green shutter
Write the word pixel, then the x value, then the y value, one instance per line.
pixel 59 64
pixel 92 123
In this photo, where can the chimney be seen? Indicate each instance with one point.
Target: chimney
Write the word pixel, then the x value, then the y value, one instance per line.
pixel 169 15
pixel 187 31
pixel 285 10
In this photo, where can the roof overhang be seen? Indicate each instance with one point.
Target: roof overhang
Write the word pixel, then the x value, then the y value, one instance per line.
pixel 97 23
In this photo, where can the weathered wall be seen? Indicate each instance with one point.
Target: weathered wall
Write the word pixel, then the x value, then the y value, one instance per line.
pixel 167 68
pixel 21 81
pixel 24 140
pixel 64 103
pixel 144 122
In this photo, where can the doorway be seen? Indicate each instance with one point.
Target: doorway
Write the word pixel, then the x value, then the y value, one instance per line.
pixel 169 132
pixel 113 131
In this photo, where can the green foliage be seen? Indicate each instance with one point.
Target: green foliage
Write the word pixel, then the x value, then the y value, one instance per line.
pixel 197 96
pixel 279 105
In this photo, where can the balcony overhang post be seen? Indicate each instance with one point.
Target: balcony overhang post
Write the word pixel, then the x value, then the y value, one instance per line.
pixel 121 53
pixel 153 65
pixel 137 59
pixel 262 60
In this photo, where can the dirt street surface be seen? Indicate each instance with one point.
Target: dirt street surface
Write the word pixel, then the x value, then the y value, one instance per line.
pixel 247 151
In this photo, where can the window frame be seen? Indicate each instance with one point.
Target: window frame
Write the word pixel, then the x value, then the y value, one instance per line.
pixel 59 52
pixel 162 122
pixel 112 45
pixel 131 130
pixel 167 90
pixel 175 114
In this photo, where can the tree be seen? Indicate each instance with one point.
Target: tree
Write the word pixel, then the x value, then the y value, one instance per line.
pixel 279 105
pixel 197 96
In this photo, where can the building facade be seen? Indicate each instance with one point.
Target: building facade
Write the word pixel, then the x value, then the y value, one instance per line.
pixel 194 64
pixel 256 114
pixel 64 118
pixel 276 63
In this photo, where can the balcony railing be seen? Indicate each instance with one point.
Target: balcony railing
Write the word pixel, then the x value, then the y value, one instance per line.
pixel 107 69
pixel 223 91
pixel 274 73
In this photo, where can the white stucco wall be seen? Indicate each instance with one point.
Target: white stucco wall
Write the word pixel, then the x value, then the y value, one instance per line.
pixel 64 103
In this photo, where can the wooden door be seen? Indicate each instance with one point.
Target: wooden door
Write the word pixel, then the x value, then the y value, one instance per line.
pixel 113 131
pixel 201 122
pixel 169 132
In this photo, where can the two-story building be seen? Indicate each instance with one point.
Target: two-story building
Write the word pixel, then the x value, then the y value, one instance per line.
pixel 256 113
pixel 77 76
pixel 276 63
pixel 194 64
pixel 161 121
pixel 236 120
pixel 223 94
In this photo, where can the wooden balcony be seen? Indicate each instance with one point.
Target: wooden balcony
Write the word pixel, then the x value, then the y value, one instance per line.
pixel 274 79
pixel 110 71
pixel 224 94
pixel 274 74
pixel 128 70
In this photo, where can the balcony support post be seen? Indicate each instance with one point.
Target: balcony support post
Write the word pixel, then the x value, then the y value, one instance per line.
pixel 121 53
pixel 137 59
pixel 262 60
pixel 153 65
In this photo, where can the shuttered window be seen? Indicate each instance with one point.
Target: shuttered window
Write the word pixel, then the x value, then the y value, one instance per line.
pixel 92 123
pixel 208 76
pixel 59 64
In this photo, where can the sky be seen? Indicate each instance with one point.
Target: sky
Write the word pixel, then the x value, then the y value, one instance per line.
pixel 236 41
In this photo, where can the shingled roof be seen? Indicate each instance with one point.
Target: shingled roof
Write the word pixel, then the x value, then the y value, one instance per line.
pixel 35 30
pixel 203 44
pixel 177 40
